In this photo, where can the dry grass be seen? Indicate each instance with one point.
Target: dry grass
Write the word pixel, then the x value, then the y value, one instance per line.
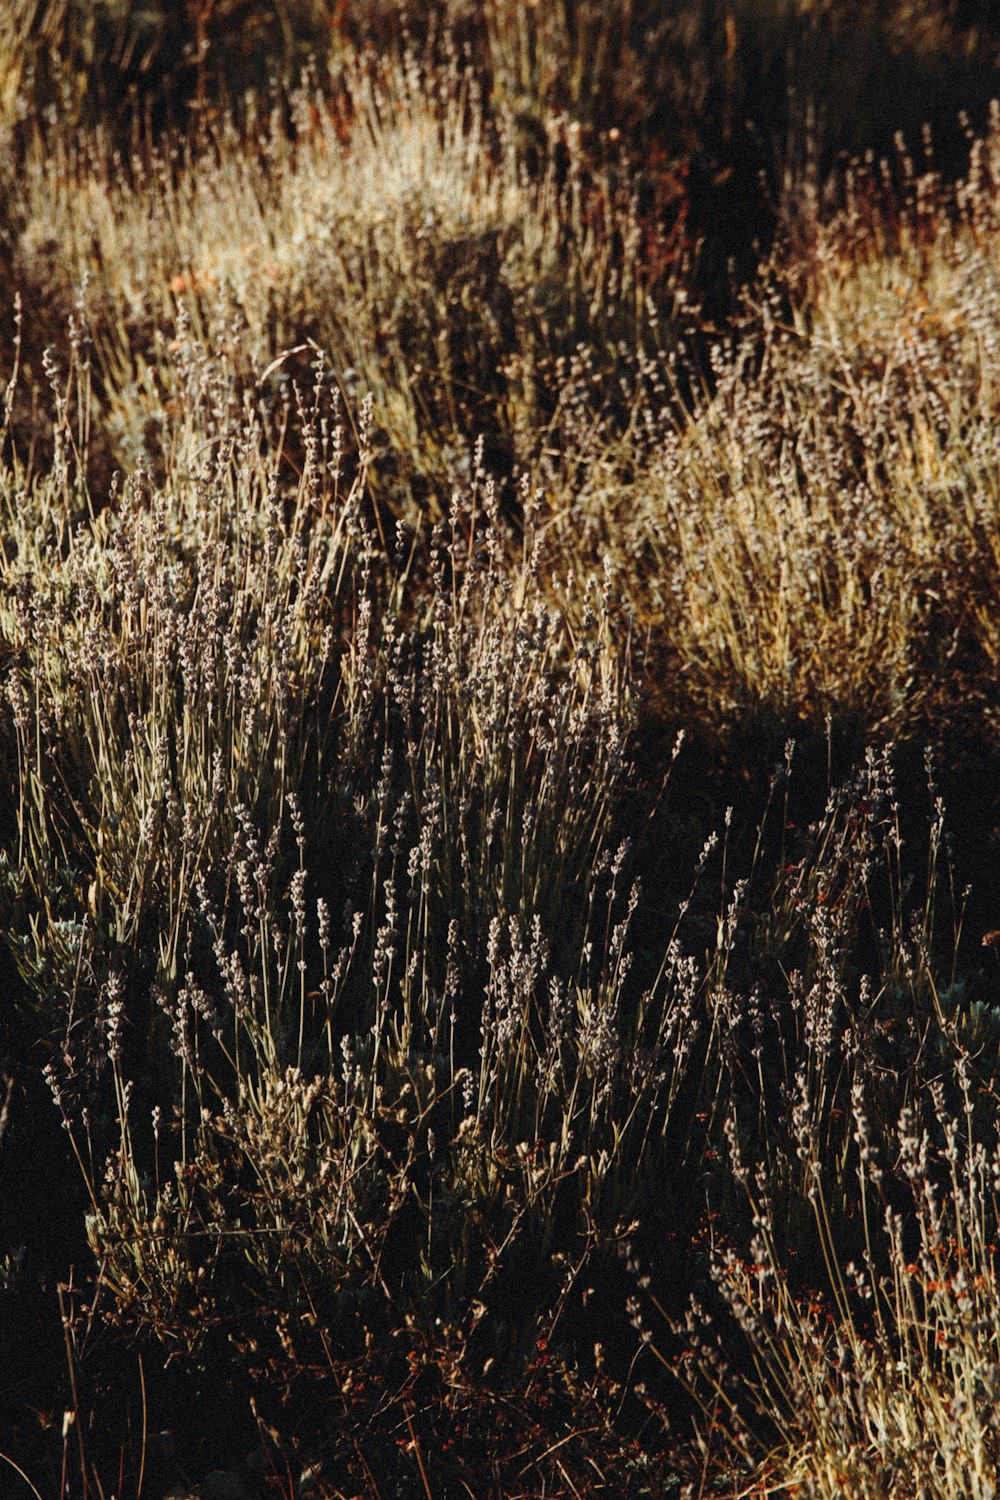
pixel 820 536
pixel 422 1082
pixel 399 232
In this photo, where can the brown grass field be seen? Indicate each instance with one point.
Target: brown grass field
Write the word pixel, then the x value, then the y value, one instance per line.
pixel 499 773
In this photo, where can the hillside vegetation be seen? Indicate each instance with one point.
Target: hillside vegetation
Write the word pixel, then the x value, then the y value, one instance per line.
pixel 499 789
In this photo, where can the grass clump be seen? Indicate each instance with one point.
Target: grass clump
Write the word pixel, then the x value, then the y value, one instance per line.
pixel 824 527
pixel 353 237
pixel 377 1061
